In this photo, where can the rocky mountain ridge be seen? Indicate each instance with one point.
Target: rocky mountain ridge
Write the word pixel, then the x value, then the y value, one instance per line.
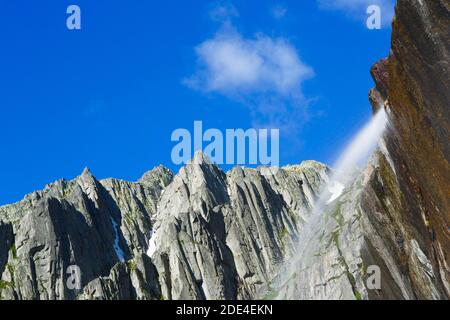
pixel 215 235
pixel 247 234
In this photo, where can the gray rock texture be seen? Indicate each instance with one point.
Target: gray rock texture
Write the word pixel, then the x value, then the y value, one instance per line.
pixel 396 214
pixel 254 233
pixel 201 234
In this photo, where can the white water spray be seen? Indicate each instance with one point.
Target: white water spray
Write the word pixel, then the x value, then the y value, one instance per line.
pixel 361 147
pixel 354 155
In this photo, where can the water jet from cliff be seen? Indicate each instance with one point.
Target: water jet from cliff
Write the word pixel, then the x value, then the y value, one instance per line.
pixel 354 156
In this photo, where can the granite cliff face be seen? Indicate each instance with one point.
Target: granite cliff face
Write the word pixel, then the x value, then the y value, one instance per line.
pixel 395 216
pixel 207 234
pixel 201 234
pixel 419 97
pixel 77 223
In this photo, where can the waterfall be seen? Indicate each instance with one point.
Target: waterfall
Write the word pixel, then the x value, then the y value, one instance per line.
pixel 361 146
pixel 354 155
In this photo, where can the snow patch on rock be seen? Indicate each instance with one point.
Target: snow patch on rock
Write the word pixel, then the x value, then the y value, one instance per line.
pixel 335 188
pixel 151 244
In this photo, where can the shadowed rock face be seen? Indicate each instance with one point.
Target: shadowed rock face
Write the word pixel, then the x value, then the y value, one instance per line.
pixel 419 98
pixel 416 88
pixel 206 234
pixel 71 223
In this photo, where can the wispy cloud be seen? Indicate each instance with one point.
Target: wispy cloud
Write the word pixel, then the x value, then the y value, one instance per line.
pixel 223 12
pixel 279 11
pixel 357 9
pixel 263 73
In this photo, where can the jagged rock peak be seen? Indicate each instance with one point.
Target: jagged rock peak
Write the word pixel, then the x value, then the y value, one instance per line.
pixel 86 177
pixel 201 170
pixel 86 171
pixel 200 158
pixel 156 173
pixel 307 164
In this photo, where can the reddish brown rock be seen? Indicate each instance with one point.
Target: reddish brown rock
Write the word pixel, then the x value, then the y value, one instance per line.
pixel 415 79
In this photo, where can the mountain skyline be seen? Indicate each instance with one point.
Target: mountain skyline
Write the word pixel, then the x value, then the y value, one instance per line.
pixel 375 226
pixel 109 96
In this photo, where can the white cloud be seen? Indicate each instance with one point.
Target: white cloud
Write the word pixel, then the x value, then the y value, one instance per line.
pixel 265 74
pixel 357 8
pixel 232 65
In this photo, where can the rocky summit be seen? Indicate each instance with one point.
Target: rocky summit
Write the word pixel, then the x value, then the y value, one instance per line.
pixel 253 233
pixel 201 234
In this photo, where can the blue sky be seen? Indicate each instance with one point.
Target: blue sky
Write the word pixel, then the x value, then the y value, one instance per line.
pixel 110 95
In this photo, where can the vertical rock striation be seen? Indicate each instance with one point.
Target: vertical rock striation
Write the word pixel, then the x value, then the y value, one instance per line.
pixel 395 216
pixel 201 234
pixel 206 234
pixel 419 97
